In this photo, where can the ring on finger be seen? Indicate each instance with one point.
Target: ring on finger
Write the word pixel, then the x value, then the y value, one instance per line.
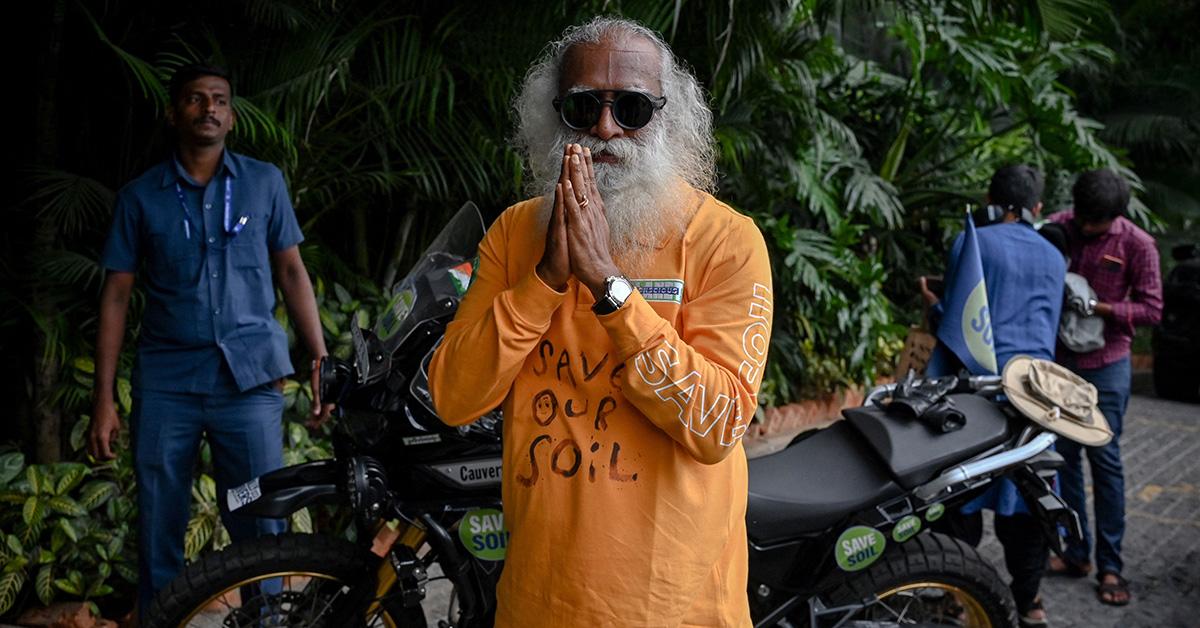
pixel 583 202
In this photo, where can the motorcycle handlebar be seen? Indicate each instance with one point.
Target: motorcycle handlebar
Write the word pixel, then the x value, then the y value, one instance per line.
pixel 974 383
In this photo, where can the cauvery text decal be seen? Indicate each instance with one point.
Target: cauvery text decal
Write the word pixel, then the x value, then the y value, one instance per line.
pixel 471 473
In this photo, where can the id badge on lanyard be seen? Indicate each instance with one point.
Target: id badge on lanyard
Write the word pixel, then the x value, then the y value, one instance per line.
pixel 230 230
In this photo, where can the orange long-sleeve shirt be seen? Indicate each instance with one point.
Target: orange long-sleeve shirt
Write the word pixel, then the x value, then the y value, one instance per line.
pixel 624 478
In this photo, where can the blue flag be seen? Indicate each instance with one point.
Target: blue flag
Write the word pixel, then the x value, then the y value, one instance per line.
pixel 966 327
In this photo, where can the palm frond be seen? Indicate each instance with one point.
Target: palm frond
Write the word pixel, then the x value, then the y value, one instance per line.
pixel 150 79
pixel 71 202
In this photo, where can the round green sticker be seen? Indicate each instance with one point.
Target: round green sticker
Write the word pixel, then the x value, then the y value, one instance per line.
pixel 858 547
pixel 906 528
pixel 483 533
pixel 935 512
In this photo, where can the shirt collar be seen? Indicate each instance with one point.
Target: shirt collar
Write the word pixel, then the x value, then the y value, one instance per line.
pixel 175 172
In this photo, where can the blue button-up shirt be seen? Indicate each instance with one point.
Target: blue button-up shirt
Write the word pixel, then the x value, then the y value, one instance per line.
pixel 208 326
pixel 1025 276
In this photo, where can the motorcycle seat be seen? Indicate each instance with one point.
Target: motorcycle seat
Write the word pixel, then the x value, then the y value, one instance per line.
pixel 914 453
pixel 814 483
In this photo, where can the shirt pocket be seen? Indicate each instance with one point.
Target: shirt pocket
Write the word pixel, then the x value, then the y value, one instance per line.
pixel 176 260
pixel 247 254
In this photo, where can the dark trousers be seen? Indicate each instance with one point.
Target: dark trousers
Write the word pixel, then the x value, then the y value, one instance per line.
pixel 245 434
pixel 1025 549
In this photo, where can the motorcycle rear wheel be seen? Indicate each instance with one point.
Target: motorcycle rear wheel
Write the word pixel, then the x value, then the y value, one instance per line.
pixel 931 580
pixel 310 572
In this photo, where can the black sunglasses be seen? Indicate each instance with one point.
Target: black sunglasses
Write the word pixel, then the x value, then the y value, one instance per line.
pixel 631 110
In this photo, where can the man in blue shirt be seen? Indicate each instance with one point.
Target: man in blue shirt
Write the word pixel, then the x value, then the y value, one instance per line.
pixel 205 228
pixel 1024 275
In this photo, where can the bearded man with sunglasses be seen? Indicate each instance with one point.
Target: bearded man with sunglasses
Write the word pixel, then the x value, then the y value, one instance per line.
pixel 621 319
pixel 204 228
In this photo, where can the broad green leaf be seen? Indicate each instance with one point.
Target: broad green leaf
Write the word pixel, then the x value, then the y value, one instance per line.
pixel 67 506
pixel 68 529
pixel 296 434
pixel 95 493
pixel 76 578
pixel 34 476
pixel 115 544
pixel 328 321
pixel 125 395
pixel 72 475
pixel 302 521
pixel 85 364
pixel 67 586
pixel 33 531
pixel 208 488
pixel 198 536
pixel 342 294
pixel 97 588
pixel 127 572
pixel 79 433
pixel 14 545
pixel 44 584
pixel 33 511
pixel 10 586
pixel 10 467
pixel 895 153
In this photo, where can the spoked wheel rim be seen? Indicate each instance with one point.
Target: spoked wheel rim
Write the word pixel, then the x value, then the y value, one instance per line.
pixel 930 604
pixel 286 599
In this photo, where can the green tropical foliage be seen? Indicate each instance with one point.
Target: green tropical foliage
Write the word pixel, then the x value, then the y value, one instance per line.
pixel 57 532
pixel 1149 104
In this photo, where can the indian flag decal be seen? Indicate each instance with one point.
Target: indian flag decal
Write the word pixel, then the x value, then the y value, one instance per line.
pixel 461 276
pixel 661 290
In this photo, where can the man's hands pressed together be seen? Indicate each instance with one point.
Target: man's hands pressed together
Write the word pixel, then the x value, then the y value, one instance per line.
pixel 577 237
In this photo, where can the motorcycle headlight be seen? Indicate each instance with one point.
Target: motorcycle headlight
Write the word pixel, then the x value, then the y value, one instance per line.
pixel 367 487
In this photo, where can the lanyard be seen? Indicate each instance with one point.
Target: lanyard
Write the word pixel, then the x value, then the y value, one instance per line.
pixel 230 230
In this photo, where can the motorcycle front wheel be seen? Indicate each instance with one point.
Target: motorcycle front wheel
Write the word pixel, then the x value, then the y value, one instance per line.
pixel 289 580
pixel 931 580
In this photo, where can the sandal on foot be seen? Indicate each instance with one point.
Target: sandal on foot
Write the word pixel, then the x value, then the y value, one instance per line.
pixel 1027 620
pixel 1115 590
pixel 1067 569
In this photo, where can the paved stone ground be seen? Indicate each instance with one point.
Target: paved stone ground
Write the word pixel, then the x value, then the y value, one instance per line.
pixel 1160 449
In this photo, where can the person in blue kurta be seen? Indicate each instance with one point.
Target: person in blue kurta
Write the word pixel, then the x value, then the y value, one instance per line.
pixel 204 229
pixel 1024 274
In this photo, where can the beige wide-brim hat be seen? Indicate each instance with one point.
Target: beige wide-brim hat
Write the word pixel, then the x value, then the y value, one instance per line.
pixel 1057 399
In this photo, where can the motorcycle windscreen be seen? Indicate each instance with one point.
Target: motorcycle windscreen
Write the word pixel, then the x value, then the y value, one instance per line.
pixel 434 285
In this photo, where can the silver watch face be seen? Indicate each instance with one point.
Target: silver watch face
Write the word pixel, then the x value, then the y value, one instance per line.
pixel 619 289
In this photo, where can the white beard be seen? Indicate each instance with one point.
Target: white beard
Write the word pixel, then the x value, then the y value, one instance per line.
pixel 644 201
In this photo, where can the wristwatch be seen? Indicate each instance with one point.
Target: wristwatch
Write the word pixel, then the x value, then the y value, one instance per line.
pixel 616 291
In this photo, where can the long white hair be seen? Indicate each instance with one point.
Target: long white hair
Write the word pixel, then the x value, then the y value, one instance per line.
pixel 676 145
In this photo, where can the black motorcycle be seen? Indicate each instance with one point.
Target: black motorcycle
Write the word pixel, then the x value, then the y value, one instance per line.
pixel 838 521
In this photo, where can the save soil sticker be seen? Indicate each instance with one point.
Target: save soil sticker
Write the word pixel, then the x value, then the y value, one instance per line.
pixel 935 512
pixel 906 528
pixel 858 547
pixel 483 533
